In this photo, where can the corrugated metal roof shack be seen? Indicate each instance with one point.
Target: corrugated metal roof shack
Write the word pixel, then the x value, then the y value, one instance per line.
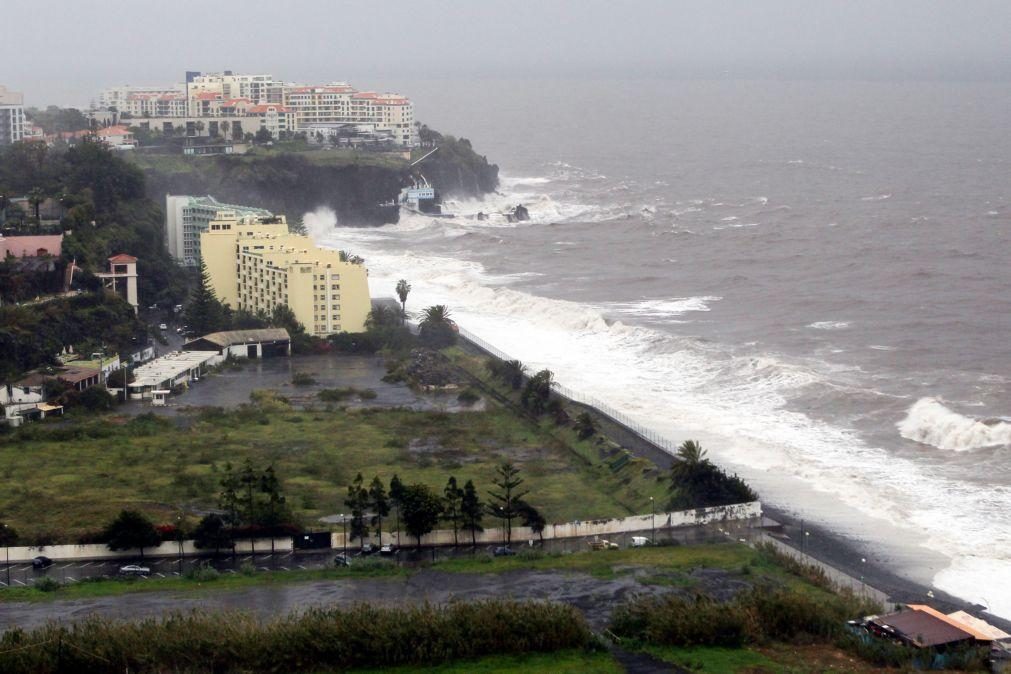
pixel 261 343
pixel 945 640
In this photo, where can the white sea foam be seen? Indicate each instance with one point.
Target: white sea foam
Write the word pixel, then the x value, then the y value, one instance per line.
pixel 659 308
pixel 930 422
pixel 964 578
pixel 876 197
pixel 828 325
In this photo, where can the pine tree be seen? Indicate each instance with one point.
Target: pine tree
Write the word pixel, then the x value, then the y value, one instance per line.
pixel 505 504
pixel 358 502
pixel 471 511
pixel 204 312
pixel 380 505
pixel 452 496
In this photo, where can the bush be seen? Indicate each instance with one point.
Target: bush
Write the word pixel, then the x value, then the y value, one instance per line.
pixel 303 379
pixel 757 616
pixel 468 396
pixel 312 640
pixel 46 584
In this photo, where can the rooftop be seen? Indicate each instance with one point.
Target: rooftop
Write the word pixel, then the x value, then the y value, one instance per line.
pixel 168 367
pixel 233 337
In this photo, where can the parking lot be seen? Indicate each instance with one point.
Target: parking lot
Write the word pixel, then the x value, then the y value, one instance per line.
pixel 23 574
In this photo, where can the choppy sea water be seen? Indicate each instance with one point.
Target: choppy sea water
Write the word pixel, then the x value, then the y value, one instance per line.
pixel 809 277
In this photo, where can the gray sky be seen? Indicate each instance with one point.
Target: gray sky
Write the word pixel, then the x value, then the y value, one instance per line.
pixel 64 51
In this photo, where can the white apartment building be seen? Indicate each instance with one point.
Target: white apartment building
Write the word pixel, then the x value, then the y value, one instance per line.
pixel 155 105
pixel 119 97
pixel 259 89
pixel 187 216
pixel 12 116
pixel 316 107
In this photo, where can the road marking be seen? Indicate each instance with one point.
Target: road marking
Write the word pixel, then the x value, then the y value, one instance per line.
pixel 230 570
pixel 3 583
pixel 72 580
pixel 85 564
pixel 175 573
pixel 18 581
pixel 301 567
pixel 286 568
pixel 160 575
pixel 247 557
pixel 67 566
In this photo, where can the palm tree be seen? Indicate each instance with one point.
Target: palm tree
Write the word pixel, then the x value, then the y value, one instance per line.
pixel 691 453
pixel 403 290
pixel 35 198
pixel 513 372
pixel 437 329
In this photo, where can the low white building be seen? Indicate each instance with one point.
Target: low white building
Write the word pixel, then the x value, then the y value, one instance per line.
pixel 260 343
pixel 178 368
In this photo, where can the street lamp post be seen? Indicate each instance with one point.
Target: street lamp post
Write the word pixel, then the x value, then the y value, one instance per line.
pixel 344 528
pixel 863 586
pixel 652 508
pixel 179 538
pixel 7 552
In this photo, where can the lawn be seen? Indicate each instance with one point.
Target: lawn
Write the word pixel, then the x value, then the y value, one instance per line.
pixel 561 662
pixel 66 477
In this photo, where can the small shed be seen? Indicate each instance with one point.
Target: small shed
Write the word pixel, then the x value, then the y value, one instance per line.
pixel 260 343
pixel 159 397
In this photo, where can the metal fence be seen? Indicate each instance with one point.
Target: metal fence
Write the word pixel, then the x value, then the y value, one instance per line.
pixel 647 434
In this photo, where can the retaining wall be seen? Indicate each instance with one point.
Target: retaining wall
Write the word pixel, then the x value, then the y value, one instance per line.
pixel 578 529
pixel 101 551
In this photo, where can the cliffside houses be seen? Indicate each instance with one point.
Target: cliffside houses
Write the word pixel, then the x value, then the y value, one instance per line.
pixel 231 105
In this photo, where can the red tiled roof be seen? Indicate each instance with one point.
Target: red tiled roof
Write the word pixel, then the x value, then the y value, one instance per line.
pixel 122 257
pixel 267 108
pixel 207 96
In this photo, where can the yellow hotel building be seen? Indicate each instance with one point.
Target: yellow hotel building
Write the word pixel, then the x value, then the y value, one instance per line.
pixel 255 263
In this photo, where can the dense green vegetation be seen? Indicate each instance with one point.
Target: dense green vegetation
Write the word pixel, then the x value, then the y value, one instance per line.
pixel 104 209
pixel 32 335
pixel 317 638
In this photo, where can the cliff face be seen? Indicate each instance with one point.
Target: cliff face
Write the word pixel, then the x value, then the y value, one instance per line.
pixel 287 183
pixel 294 183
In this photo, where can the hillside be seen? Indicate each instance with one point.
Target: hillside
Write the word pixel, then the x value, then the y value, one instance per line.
pixel 293 178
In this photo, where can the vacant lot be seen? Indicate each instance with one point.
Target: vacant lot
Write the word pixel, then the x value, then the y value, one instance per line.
pixel 72 476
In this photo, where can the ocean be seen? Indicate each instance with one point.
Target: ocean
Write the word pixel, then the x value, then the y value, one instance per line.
pixel 809 277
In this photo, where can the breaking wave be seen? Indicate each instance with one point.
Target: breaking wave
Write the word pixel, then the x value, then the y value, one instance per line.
pixel 931 423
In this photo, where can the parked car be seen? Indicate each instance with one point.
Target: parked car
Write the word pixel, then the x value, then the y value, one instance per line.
pixel 639 541
pixel 387 549
pixel 369 549
pixel 342 560
pixel 503 551
pixel 134 570
pixel 602 545
pixel 163 326
pixel 41 562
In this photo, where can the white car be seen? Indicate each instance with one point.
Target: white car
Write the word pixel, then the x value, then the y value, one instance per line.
pixel 163 327
pixel 134 570
pixel 639 541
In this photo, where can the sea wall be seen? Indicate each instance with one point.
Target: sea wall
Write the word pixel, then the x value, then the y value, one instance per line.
pixel 739 514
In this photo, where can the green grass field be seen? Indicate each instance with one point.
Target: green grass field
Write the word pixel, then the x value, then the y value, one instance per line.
pixel 67 477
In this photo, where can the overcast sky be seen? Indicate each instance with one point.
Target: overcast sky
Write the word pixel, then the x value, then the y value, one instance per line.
pixel 64 51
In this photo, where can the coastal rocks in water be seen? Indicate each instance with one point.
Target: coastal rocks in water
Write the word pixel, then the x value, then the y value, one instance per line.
pixel 519 214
